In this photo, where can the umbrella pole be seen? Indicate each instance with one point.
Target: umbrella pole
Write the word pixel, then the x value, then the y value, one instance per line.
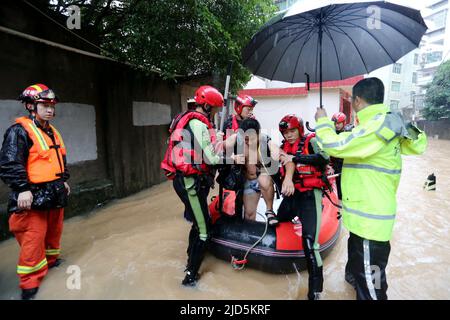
pixel 225 95
pixel 320 63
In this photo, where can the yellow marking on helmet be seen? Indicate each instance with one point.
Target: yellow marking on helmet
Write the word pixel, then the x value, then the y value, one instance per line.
pixel 39 89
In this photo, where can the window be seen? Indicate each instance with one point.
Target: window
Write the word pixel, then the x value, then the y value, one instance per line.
pixel 439 19
pixel 419 101
pixel 397 68
pixel 395 86
pixel 394 105
pixel 434 56
pixel 416 59
pixel 413 95
pixel 414 77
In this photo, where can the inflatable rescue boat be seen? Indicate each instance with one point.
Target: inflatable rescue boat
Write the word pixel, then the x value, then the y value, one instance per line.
pixel 279 249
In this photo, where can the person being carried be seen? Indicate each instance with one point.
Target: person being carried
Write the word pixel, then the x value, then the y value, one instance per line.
pixel 257 181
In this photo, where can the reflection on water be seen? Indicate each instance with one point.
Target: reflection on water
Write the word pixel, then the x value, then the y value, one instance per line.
pixel 135 249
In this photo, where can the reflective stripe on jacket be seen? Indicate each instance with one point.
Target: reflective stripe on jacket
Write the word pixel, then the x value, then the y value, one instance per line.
pixel 45 161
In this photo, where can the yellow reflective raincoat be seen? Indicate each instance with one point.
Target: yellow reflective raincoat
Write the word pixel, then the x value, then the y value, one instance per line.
pixel 372 167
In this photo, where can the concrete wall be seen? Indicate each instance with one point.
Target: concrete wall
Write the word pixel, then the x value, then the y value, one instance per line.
pixel 439 128
pixel 109 154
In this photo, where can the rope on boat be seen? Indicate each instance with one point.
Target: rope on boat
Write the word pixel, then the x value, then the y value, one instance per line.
pixel 240 264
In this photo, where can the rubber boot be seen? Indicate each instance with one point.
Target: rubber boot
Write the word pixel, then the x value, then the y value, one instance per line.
pixel 315 280
pixel 197 253
pixel 57 263
pixel 29 294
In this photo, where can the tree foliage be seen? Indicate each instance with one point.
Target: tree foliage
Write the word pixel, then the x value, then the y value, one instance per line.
pixel 176 37
pixel 437 98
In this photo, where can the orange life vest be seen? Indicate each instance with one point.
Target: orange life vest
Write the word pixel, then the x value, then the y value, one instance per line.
pixel 306 177
pixel 45 160
pixel 180 155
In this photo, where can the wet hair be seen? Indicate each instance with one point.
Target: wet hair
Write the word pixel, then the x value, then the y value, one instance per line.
pixel 369 89
pixel 250 123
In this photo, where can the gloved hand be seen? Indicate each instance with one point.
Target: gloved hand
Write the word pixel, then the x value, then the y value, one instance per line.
pixel 413 131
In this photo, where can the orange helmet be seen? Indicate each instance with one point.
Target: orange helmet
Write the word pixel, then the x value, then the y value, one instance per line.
pixel 244 101
pixel 291 121
pixel 339 117
pixel 38 93
pixel 208 95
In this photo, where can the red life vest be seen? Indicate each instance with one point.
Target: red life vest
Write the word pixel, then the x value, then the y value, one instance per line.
pixel 228 205
pixel 306 177
pixel 234 127
pixel 180 155
pixel 234 123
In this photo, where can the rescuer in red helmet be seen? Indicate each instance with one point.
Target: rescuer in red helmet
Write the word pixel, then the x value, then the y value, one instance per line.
pixel 339 120
pixel 308 179
pixel 188 162
pixel 33 165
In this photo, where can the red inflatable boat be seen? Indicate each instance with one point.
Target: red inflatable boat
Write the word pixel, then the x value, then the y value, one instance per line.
pixel 281 249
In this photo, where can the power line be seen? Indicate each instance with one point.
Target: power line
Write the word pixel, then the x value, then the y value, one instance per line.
pixel 54 44
pixel 65 28
pixel 87 41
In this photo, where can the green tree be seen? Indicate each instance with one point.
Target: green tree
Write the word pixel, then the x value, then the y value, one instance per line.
pixel 437 98
pixel 185 38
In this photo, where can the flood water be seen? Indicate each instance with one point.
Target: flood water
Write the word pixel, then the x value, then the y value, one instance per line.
pixel 135 248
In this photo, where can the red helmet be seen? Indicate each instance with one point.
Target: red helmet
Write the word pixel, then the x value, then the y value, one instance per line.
pixel 38 93
pixel 209 95
pixel 291 121
pixel 339 117
pixel 244 101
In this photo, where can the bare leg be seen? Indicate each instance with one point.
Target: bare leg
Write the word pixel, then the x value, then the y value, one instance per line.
pixel 267 190
pixel 250 205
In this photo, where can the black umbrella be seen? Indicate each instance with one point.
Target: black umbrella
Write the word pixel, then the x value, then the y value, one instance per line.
pixel 333 42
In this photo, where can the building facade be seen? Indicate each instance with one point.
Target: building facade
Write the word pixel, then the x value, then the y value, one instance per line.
pixel 400 81
pixel 284 4
pixel 435 45
pixel 277 99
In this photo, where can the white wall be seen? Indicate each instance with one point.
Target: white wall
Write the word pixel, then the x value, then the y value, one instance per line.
pixel 270 110
pixel 75 121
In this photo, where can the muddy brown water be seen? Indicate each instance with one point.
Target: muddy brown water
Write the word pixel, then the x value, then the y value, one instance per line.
pixel 135 248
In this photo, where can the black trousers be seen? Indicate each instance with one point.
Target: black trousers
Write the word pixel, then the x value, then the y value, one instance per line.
pixel 307 206
pixel 338 187
pixel 193 192
pixel 366 267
